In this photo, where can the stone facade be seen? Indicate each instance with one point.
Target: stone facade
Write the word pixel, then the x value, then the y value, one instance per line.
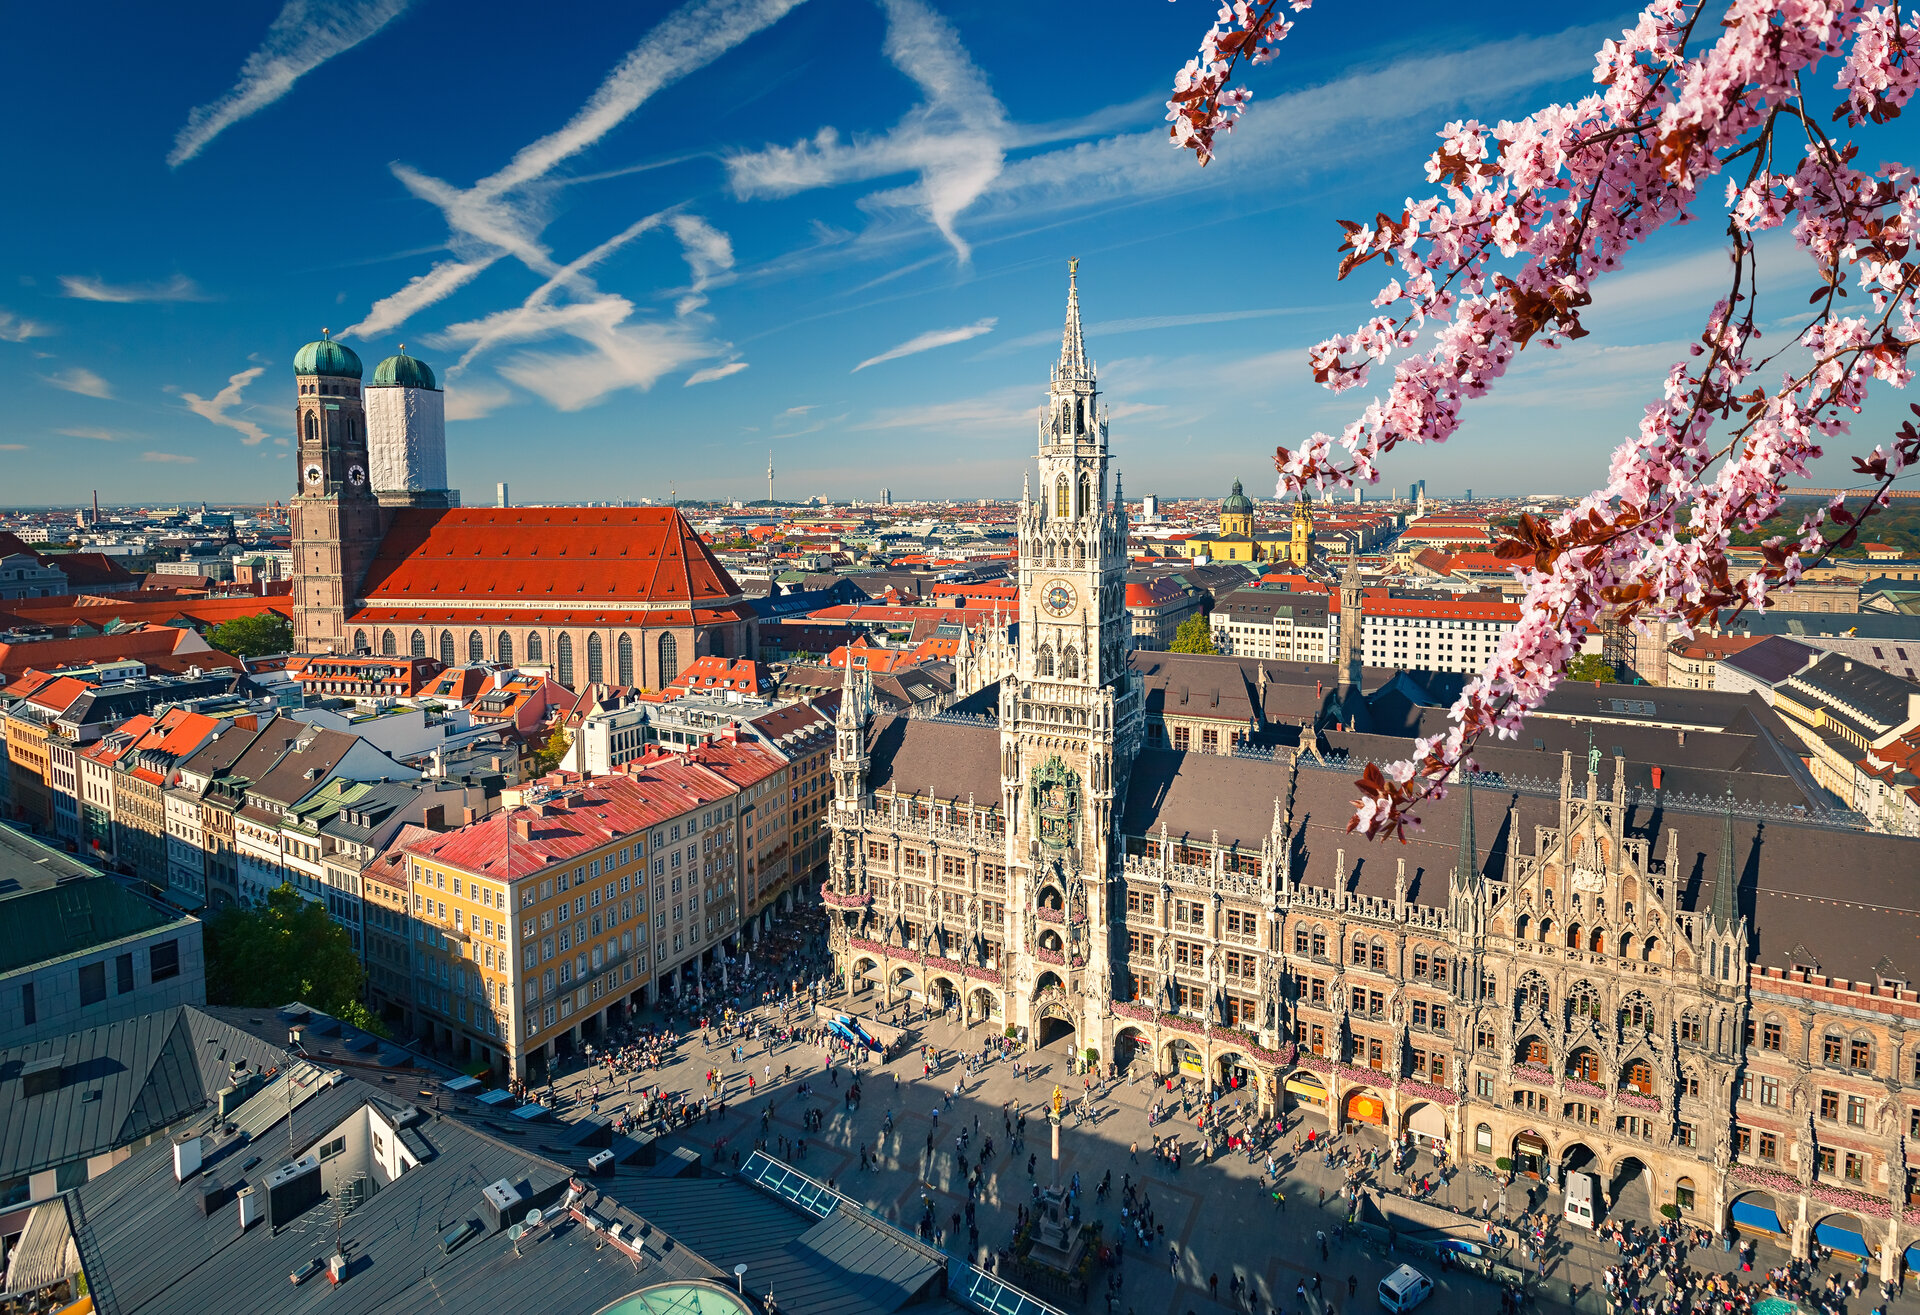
pixel 1565 982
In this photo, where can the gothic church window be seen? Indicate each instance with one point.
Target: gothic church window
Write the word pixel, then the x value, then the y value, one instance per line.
pixel 417 644
pixel 387 646
pixel 623 660
pixel 1043 661
pixel 1062 499
pixel 533 646
pixel 563 651
pixel 313 428
pixel 1070 662
pixel 359 640
pixel 669 660
pixel 446 648
pixel 503 647
pixel 476 647
pixel 1086 494
pixel 596 660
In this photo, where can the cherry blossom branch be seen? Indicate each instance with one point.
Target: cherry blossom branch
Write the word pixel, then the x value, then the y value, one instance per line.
pixel 1203 103
pixel 1568 194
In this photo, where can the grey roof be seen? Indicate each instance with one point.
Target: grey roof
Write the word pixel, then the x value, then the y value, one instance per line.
pixel 116 1083
pixel 1857 625
pixel 73 916
pixel 1771 660
pixel 147 1246
pixel 1846 916
pixel 1259 606
pixel 26 864
pixel 1863 694
pixel 113 704
pixel 946 760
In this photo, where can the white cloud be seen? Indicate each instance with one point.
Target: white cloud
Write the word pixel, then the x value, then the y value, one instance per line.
pixel 713 372
pixel 475 400
pixel 168 458
pixel 17 328
pixel 98 435
pixel 1294 129
pixel 80 380
pixel 13 447
pixel 216 408
pixel 708 253
pixel 177 288
pixel 929 340
pixel 305 35
pixel 997 414
pixel 503 213
pixel 955 140
pixel 619 353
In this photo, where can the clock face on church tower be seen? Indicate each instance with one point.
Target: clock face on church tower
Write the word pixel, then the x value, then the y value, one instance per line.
pixel 1059 598
pixel 313 474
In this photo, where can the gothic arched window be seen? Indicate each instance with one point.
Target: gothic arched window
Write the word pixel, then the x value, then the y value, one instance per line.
pixel 359 641
pixel 596 663
pixel 387 647
pixel 1070 662
pixel 669 661
pixel 623 660
pixel 563 654
pixel 417 644
pixel 1086 495
pixel 1062 499
pixel 533 646
pixel 446 648
pixel 476 647
pixel 503 647
pixel 313 428
pixel 1043 661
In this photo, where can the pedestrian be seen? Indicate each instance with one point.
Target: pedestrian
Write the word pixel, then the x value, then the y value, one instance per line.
pixel 1213 1285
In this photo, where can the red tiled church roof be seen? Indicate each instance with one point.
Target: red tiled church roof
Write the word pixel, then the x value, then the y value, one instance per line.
pixel 545 558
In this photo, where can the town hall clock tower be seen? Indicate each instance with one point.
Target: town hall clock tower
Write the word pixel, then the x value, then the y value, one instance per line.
pixel 1071 715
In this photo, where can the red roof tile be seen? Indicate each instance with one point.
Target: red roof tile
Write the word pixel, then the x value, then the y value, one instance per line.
pixel 546 558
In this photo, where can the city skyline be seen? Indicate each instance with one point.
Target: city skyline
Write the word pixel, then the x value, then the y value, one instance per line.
pixel 862 280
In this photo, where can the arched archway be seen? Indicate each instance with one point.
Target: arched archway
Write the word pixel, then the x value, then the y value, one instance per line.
pixel 942 994
pixel 1235 1074
pixel 1304 1090
pixel 1845 1234
pixel 1757 1214
pixel 1130 1045
pixel 865 970
pixel 983 1006
pixel 1425 1122
pixel 1184 1059
pixel 1049 940
pixel 1630 1188
pixel 1528 1151
pixel 1364 1106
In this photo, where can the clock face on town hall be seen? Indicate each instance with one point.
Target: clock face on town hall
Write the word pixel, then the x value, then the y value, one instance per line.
pixel 1059 598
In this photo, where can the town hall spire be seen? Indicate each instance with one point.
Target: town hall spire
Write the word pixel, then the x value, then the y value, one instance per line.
pixel 1073 347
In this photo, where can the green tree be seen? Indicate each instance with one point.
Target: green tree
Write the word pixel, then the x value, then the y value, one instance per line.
pixel 1591 666
pixel 548 756
pixel 253 636
pixel 287 950
pixel 1194 636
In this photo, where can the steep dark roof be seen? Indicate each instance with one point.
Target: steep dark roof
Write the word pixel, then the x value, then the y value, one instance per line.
pixel 943 760
pixel 1771 660
pixel 116 1083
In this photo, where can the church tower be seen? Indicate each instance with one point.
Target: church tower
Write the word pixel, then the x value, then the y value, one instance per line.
pixel 336 522
pixel 1300 544
pixel 1071 713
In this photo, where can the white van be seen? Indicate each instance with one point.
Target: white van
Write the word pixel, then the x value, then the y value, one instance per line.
pixel 1404 1289
pixel 1582 1192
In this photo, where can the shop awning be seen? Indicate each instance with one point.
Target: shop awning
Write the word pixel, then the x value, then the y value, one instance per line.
pixel 1751 1214
pixel 1307 1089
pixel 1841 1238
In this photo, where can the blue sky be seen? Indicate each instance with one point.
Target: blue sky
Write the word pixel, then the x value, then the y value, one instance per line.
pixel 644 244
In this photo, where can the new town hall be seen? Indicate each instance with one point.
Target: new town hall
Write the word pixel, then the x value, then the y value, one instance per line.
pixel 1716 1011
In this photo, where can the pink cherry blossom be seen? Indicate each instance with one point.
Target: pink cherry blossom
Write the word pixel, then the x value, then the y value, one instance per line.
pixel 1691 102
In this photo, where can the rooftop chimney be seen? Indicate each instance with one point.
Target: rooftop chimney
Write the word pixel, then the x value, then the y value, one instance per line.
pixel 523 827
pixel 435 818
